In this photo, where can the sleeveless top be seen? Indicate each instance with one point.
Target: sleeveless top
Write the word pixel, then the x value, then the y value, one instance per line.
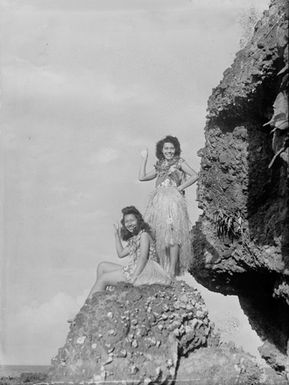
pixel 134 248
pixel 169 172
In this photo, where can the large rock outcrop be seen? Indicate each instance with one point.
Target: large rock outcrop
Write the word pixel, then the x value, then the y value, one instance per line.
pixel 134 334
pixel 146 335
pixel 241 240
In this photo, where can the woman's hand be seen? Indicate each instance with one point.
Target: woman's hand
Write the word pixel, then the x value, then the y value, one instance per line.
pixel 116 229
pixel 144 153
pixel 121 251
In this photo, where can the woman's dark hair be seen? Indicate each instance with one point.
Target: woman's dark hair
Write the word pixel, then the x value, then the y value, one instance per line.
pixel 168 139
pixel 141 224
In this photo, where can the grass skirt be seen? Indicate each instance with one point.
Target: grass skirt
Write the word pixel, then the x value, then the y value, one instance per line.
pixel 152 273
pixel 168 217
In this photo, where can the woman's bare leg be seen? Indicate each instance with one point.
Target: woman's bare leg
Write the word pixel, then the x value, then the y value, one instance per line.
pixel 103 268
pixel 109 278
pixel 174 255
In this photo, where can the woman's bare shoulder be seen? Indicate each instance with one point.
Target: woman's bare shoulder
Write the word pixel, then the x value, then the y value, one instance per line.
pixel 145 237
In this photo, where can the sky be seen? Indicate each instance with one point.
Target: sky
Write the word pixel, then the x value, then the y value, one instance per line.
pixel 85 86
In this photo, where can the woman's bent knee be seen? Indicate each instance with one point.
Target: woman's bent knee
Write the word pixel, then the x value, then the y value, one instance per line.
pixel 100 268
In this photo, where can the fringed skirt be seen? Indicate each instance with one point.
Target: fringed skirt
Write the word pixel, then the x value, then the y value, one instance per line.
pixel 168 217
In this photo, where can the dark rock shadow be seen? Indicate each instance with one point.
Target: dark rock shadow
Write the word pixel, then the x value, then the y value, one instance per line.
pixel 268 221
pixel 268 187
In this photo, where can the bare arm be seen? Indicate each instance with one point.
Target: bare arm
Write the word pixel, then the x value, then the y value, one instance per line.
pixel 193 176
pixel 144 253
pixel 121 251
pixel 143 175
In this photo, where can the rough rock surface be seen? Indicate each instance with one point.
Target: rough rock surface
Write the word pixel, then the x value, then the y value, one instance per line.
pixel 224 365
pixel 134 334
pixel 145 335
pixel 241 241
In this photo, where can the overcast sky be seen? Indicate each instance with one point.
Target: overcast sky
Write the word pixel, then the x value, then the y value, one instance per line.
pixel 86 85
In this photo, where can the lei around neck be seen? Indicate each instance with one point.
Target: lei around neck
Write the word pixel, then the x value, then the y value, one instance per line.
pixel 164 164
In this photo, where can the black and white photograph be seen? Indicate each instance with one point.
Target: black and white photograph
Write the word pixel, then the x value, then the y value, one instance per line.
pixel 144 192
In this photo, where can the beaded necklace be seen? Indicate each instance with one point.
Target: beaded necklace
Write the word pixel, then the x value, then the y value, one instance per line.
pixel 134 243
pixel 164 165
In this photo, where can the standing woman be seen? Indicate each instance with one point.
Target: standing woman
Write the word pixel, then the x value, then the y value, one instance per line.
pixel 166 211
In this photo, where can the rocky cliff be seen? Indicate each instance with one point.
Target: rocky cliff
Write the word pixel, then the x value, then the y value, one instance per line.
pixel 241 240
pixel 151 335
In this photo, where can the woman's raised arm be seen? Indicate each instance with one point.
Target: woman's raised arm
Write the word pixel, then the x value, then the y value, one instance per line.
pixel 143 175
pixel 121 251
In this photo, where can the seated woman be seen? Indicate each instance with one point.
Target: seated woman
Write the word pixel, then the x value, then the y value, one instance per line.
pixel 142 267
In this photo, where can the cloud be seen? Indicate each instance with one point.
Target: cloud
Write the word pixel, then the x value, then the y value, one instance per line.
pixel 36 331
pixel 115 93
pixel 112 6
pixel 228 4
pixel 38 318
pixel 104 155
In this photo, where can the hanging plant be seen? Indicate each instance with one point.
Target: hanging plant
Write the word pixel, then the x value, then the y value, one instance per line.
pixel 279 121
pixel 228 224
